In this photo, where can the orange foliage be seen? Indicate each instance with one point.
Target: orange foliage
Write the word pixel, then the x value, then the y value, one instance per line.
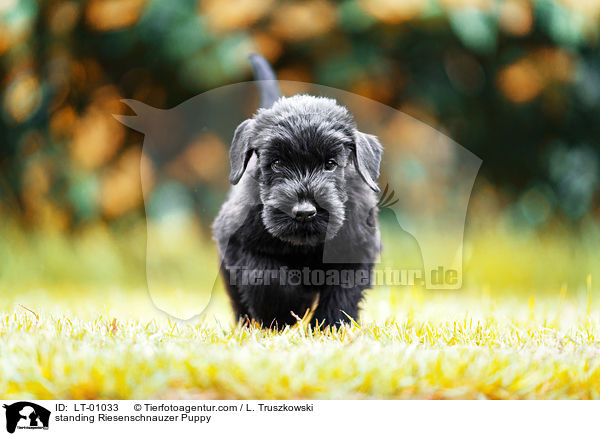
pixel 113 14
pixel 516 17
pixel 525 79
pixel 299 21
pixel 225 16
pixel 97 135
pixel 121 189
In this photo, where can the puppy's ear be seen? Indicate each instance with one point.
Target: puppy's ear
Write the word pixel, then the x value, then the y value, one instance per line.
pixel 367 158
pixel 240 151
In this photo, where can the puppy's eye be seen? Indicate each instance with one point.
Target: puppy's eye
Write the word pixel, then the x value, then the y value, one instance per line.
pixel 330 165
pixel 276 165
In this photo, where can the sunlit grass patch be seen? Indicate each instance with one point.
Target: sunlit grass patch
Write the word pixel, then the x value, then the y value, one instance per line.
pixel 409 344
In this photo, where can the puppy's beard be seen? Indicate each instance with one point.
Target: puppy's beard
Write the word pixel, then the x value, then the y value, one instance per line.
pixel 279 200
pixel 282 226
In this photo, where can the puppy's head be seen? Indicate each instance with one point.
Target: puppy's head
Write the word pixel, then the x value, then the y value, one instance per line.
pixel 308 148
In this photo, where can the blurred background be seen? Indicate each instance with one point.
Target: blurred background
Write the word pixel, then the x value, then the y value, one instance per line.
pixel 515 82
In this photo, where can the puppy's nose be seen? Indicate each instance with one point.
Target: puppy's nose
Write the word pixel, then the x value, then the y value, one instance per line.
pixel 304 211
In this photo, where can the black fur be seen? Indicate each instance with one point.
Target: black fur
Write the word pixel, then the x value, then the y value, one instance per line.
pixel 302 149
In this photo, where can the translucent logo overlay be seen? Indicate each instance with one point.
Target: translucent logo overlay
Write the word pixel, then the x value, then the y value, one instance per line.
pixel 426 182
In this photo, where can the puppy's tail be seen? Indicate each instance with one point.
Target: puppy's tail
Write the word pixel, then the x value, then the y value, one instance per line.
pixel 267 80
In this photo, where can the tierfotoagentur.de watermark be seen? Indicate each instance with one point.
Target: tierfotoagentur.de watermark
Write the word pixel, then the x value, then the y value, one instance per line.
pixel 346 278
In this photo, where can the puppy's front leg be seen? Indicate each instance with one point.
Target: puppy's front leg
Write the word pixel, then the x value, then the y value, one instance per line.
pixel 335 305
pixel 277 306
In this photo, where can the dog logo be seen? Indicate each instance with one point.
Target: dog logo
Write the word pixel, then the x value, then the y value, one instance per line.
pixel 301 201
pixel 26 415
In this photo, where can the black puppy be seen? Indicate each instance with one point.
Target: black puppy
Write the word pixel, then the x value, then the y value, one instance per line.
pixel 299 228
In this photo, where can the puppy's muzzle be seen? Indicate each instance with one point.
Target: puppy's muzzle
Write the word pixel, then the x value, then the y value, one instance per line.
pixel 304 212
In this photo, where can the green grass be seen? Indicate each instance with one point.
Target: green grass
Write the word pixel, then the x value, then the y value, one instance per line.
pixel 408 344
